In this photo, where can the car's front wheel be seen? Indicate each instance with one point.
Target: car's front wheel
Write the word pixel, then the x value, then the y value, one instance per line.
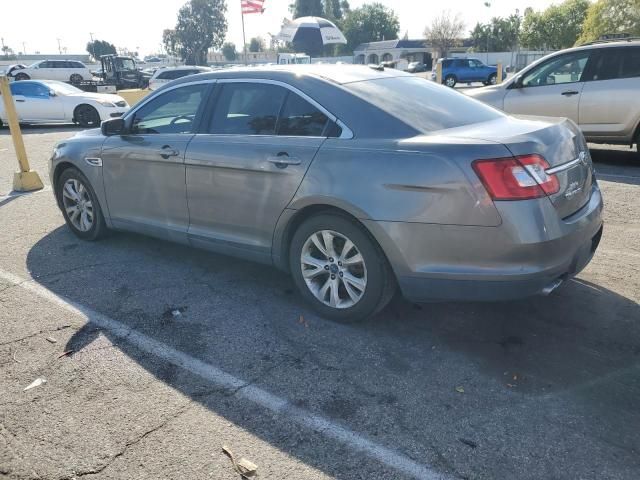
pixel 87 116
pixel 339 269
pixel 22 76
pixel 80 206
pixel 76 78
pixel 493 79
pixel 450 81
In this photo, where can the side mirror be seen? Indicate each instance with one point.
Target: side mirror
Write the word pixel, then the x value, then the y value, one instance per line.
pixel 517 83
pixel 113 126
pixel 52 93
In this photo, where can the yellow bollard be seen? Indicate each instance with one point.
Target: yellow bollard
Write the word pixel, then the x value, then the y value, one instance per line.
pixel 25 180
pixel 499 73
pixel 439 72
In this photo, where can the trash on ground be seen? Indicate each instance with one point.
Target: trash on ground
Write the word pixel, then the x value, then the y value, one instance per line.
pixel 51 340
pixel 36 383
pixel 460 389
pixel 65 353
pixel 467 442
pixel 173 313
pixel 246 468
pixel 302 321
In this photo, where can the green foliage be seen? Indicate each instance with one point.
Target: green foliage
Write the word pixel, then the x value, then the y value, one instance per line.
pixel 229 51
pixel 256 44
pixel 369 23
pixel 307 8
pixel 558 27
pixel 97 48
pixel 499 35
pixel 201 25
pixel 611 16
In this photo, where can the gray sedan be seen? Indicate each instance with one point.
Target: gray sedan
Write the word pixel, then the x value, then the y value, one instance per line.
pixel 356 181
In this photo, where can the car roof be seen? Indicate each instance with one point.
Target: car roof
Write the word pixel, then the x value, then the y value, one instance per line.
pixel 340 74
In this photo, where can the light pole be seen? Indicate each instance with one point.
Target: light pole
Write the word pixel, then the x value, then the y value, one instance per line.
pixel 59 47
pixel 488 5
pixel 24 48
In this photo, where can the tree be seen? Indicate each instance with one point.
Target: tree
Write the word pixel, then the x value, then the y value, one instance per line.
pixel 558 27
pixel 256 44
pixel 307 8
pixel 369 23
pixel 499 35
pixel 229 51
pixel 97 48
pixel 611 16
pixel 201 25
pixel 333 10
pixel 444 32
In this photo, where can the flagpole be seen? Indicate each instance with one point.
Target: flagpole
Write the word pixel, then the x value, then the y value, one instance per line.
pixel 244 39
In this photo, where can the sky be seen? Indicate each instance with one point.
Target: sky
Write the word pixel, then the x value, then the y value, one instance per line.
pixel 138 24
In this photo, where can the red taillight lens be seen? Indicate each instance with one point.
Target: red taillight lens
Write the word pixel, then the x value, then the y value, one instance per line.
pixel 516 178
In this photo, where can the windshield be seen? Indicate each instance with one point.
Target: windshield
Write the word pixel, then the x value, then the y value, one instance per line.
pixel 62 88
pixel 126 64
pixel 422 104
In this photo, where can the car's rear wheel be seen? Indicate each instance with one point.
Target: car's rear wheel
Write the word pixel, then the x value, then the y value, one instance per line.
pixel 76 78
pixel 80 206
pixel 493 79
pixel 339 269
pixel 87 116
pixel 22 76
pixel 450 81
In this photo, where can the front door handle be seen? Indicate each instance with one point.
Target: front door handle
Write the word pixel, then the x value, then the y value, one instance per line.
pixel 19 100
pixel 569 93
pixel 168 151
pixel 283 160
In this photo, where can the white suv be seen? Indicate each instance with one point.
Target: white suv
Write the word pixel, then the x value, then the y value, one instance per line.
pixel 63 70
pixel 596 85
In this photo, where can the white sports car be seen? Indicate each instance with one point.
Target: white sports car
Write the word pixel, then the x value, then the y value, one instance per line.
pixel 49 101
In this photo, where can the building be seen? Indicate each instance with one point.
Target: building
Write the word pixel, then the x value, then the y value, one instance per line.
pixel 217 58
pixel 393 50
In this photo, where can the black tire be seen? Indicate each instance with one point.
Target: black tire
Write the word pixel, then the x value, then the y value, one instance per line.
pixel 493 79
pixel 22 76
pixel 450 81
pixel 76 78
pixel 380 284
pixel 86 116
pixel 99 227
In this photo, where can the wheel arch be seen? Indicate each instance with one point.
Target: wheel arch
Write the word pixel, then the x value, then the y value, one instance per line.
pixel 288 225
pixel 61 167
pixel 85 104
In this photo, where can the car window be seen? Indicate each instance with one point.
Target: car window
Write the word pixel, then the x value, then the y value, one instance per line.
pixel 475 63
pixel 247 109
pixel 45 64
pixel 630 62
pixel 422 105
pixel 170 112
pixel 29 89
pixel 563 69
pixel 614 63
pixel 300 118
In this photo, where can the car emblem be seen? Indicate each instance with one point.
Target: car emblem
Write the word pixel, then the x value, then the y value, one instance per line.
pixel 573 190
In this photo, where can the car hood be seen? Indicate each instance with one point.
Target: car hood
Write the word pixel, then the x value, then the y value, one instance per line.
pixel 109 97
pixel 92 132
pixel 483 91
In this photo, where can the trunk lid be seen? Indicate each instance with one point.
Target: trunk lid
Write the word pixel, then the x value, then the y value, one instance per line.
pixel 558 140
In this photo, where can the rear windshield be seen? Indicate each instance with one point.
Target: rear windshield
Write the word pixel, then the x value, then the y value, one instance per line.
pixel 422 104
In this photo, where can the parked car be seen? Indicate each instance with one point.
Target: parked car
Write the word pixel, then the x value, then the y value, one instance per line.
pixel 466 70
pixel 63 70
pixel 166 75
pixel 324 171
pixel 597 86
pixel 50 101
pixel 417 67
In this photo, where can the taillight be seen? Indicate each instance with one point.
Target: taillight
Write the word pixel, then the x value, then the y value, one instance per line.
pixel 516 178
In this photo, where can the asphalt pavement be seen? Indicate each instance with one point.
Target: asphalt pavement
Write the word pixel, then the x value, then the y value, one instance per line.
pixel 156 355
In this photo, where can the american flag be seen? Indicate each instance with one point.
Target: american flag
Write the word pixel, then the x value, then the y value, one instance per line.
pixel 252 6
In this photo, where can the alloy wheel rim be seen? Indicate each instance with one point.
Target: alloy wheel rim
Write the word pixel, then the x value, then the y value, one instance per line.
pixel 450 82
pixel 77 204
pixel 333 269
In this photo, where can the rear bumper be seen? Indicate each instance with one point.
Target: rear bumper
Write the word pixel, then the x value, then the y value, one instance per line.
pixel 527 254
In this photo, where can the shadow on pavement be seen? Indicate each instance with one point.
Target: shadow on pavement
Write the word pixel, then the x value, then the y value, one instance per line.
pixel 555 373
pixel 40 128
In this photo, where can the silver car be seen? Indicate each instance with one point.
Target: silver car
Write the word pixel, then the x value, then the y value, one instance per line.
pixel 356 181
pixel 597 86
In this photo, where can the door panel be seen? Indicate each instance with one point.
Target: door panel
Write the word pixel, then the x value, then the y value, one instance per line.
pixel 144 172
pixel 34 103
pixel 237 189
pixel 549 100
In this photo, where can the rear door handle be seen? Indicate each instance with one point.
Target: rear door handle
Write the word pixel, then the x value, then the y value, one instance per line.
pixel 168 151
pixel 283 160
pixel 19 100
pixel 569 93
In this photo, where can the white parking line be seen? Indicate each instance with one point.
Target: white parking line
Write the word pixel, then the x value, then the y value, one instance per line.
pixel 257 395
pixel 46 188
